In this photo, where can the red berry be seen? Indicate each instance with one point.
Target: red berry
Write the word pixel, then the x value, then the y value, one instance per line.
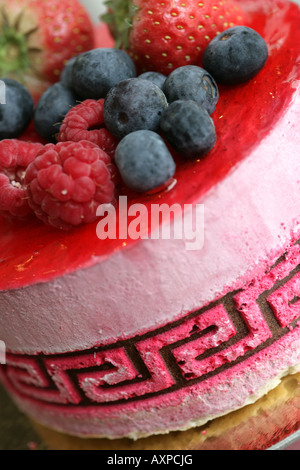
pixel 85 122
pixel 67 182
pixel 15 156
pixel 166 35
pixel 39 37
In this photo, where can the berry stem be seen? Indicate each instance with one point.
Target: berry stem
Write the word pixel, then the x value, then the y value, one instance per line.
pixel 119 19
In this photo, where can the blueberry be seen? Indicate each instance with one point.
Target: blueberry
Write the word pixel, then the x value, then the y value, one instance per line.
pixel 192 83
pixel 95 72
pixel 16 108
pixel 66 74
pixel 133 105
pixel 188 128
pixel 144 161
pixel 154 77
pixel 51 110
pixel 236 55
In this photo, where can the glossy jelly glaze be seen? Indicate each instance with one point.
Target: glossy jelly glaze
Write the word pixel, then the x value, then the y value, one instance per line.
pixel 32 252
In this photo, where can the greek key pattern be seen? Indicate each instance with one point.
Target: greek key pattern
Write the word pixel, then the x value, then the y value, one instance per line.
pixel 180 354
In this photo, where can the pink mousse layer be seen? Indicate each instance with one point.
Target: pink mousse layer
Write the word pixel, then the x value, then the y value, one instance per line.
pixel 112 402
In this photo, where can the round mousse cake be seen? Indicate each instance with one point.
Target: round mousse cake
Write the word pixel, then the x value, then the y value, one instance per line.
pixel 131 338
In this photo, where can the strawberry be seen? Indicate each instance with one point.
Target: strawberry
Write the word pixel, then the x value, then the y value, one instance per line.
pixel 38 37
pixel 164 35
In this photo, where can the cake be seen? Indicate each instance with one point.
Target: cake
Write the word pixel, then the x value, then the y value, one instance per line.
pixel 127 338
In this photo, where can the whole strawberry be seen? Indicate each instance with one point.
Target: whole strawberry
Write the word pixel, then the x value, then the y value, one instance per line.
pixel 163 36
pixel 38 37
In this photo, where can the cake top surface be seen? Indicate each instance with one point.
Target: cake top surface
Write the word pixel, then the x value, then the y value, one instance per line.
pixel 245 114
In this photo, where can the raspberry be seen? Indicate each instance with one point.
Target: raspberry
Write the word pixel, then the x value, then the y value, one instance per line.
pixel 85 122
pixel 15 156
pixel 67 182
